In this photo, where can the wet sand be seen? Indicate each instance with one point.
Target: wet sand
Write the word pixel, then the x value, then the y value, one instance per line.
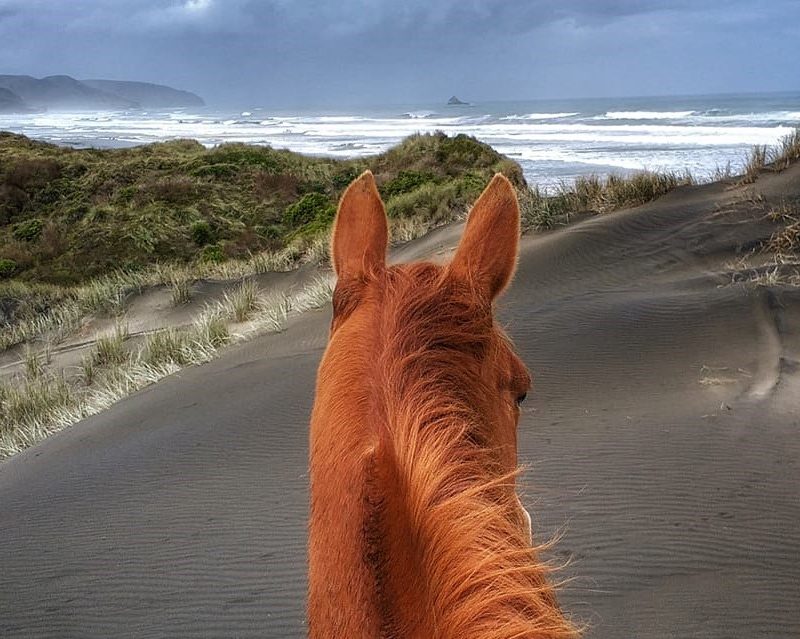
pixel 661 439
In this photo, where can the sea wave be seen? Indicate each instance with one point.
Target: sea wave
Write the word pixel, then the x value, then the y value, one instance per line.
pixel 549 141
pixel 418 115
pixel 646 115
pixel 747 118
pixel 539 116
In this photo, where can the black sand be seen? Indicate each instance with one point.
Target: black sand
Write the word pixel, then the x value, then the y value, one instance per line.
pixel 662 439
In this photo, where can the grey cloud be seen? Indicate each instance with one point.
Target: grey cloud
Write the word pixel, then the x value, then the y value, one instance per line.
pixel 286 51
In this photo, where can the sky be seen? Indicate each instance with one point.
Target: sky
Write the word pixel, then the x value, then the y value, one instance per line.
pixel 376 52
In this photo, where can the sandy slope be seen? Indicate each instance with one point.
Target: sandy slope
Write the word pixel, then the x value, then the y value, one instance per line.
pixel 662 437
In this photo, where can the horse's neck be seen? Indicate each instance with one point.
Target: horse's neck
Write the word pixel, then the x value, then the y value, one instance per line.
pixel 406 539
pixel 451 561
pixel 342 598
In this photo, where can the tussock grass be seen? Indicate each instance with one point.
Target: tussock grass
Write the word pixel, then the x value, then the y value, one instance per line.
pixel 788 151
pixel 88 369
pixel 209 332
pixel 595 194
pixel 108 295
pixel 755 163
pixel 181 290
pixel 316 294
pixel 408 228
pixel 241 302
pixel 23 406
pixel 275 313
pixel 34 366
pixel 777 158
pixel 34 407
pixel 110 349
pixel 165 347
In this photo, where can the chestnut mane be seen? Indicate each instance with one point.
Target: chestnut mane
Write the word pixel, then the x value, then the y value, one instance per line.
pixel 409 493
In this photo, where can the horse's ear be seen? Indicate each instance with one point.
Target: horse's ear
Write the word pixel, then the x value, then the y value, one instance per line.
pixel 487 253
pixel 360 232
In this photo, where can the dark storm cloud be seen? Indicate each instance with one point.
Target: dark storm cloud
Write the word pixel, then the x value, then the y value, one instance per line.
pixel 287 51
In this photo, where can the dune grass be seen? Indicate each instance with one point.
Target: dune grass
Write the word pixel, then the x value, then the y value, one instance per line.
pixel 594 194
pixel 776 158
pixel 44 401
pixel 415 178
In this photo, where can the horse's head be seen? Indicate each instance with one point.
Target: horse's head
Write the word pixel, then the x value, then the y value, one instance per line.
pixel 426 329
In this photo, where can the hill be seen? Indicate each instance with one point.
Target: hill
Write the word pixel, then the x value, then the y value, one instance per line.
pixel 67 215
pixel 67 93
pixel 61 92
pixel 148 95
pixel 10 102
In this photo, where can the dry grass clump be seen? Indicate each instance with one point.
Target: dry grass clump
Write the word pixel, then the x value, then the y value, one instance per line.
pixel 406 229
pixel 788 151
pixel 241 302
pixel 754 164
pixel 787 238
pixel 110 349
pixel 275 312
pixel 775 158
pixel 108 295
pixel 169 346
pixel 180 283
pixel 316 294
pixel 24 406
pixel 34 364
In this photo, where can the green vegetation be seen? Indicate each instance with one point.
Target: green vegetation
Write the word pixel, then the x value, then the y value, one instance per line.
pixel 7 268
pixel 69 215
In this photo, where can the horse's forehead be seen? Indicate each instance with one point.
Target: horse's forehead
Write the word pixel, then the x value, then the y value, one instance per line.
pixel 402 279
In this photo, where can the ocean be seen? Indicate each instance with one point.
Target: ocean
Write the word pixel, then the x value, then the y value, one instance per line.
pixel 554 140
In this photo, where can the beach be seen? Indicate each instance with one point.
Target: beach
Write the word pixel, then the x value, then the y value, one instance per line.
pixel 660 440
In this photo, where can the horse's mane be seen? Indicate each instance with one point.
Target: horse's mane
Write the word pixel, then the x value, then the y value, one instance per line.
pixel 480 576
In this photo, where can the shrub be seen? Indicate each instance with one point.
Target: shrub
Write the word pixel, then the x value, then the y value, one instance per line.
pixel 268 185
pixel 431 202
pixel 202 233
pixel 32 173
pixel 221 170
pixel 27 231
pixel 12 201
pixel 7 267
pixel 406 182
pixel 244 155
pixel 213 253
pixel 312 207
pixel 173 190
pixel 341 179
pixel 269 232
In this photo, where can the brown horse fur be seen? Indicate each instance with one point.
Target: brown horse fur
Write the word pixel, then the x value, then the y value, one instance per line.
pixel 415 529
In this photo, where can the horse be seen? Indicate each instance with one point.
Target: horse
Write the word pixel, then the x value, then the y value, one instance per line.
pixel 415 528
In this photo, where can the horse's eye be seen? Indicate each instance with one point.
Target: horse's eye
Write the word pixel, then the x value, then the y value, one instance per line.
pixel 521 398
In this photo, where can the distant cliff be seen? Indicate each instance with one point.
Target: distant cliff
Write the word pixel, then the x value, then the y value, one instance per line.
pixel 65 92
pixel 10 102
pixel 147 95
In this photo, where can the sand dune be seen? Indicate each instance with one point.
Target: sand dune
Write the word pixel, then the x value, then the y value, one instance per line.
pixel 661 437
